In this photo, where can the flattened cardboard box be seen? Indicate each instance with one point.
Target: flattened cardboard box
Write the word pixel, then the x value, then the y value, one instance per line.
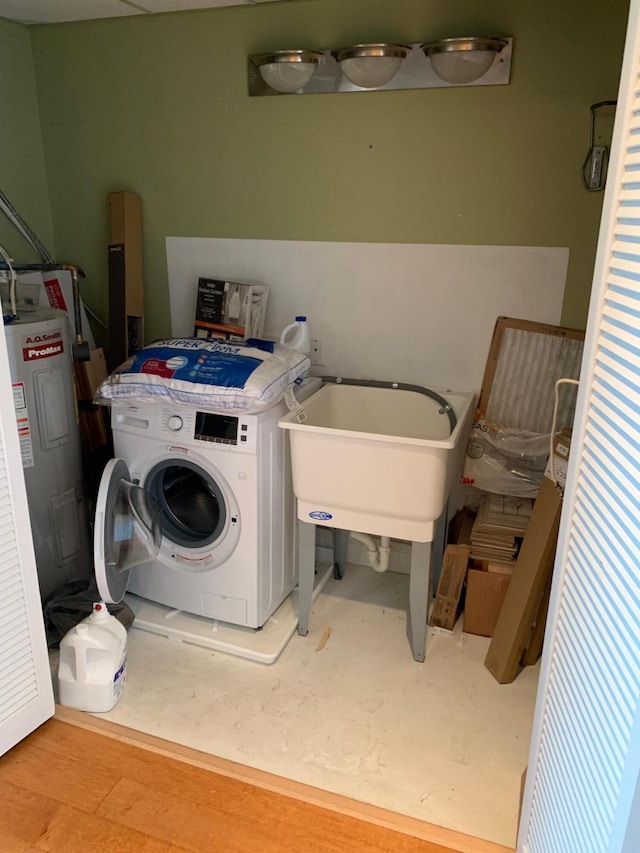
pixel 452 577
pixel 533 568
pixel 94 429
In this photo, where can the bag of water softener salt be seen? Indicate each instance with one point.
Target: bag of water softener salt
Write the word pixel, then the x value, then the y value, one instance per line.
pixel 92 670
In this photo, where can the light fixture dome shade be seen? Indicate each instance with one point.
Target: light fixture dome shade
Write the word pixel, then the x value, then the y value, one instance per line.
pixel 463 60
pixel 287 71
pixel 370 66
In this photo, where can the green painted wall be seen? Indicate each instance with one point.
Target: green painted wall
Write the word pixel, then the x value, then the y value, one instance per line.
pixel 22 169
pixel 158 105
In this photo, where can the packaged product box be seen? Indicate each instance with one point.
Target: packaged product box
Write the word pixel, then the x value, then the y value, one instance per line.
pixel 230 310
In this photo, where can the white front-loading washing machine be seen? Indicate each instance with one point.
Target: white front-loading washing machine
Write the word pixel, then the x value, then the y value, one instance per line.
pixel 196 511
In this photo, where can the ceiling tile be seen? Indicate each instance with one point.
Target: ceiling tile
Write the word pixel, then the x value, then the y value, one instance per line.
pixel 57 11
pixel 54 11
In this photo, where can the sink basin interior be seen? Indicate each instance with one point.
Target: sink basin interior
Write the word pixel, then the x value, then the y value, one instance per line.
pixel 377 460
pixel 382 411
pixel 407 416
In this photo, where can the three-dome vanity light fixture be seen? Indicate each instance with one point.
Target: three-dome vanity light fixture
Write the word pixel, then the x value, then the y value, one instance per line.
pixel 462 61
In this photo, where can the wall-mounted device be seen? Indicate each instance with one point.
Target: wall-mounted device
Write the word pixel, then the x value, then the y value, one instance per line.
pixel 594 168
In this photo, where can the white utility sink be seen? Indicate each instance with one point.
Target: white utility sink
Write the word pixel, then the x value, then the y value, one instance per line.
pixel 382 461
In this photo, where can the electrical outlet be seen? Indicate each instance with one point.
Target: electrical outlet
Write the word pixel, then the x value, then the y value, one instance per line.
pixel 317 351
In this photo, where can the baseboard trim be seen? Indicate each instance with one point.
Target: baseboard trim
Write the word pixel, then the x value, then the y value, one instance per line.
pixel 447 838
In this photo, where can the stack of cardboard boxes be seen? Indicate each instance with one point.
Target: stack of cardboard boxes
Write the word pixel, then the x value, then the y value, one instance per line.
pixel 508 604
pixel 498 569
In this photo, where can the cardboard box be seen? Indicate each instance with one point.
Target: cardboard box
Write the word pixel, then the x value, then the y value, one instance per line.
pixel 125 210
pixel 484 597
pixel 94 430
pixel 229 309
pixel 452 577
pixel 534 566
pixel 556 469
pixel 533 649
pixel 523 783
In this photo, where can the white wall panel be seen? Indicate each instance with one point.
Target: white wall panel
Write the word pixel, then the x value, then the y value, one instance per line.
pixel 392 311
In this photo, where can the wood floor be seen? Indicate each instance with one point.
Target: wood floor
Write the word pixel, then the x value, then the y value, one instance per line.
pixel 79 784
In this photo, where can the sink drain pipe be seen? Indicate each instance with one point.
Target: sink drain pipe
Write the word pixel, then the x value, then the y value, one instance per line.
pixel 378 555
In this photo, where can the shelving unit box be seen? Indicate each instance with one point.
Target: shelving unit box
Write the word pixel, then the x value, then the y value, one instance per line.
pixel 126 287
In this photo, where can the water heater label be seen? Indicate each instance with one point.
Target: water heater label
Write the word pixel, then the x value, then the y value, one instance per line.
pixel 19 401
pixel 31 352
pixel 22 423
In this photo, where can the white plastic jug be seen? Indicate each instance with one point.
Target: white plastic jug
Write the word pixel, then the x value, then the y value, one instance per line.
pixel 92 670
pixel 296 336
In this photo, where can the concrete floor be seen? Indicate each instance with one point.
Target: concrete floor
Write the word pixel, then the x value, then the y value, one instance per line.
pixel 347 709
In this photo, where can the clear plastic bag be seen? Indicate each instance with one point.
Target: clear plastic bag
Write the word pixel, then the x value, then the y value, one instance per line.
pixel 504 460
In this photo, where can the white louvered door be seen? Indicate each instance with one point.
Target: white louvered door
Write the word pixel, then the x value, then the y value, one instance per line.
pixel 583 788
pixel 26 694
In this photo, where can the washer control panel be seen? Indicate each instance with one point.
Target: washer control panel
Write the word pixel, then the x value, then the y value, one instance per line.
pixel 210 427
pixel 188 426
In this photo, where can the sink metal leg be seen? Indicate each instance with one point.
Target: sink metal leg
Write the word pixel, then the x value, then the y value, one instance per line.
pixel 340 543
pixel 439 542
pixel 306 573
pixel 419 590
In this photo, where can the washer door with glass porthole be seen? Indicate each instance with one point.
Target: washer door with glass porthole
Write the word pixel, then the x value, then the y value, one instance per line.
pixel 127 530
pixel 192 504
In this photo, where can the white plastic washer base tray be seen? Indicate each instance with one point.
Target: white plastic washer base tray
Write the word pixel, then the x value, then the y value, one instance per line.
pixel 264 645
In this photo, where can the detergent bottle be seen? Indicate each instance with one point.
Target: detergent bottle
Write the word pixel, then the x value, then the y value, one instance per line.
pixel 92 670
pixel 296 336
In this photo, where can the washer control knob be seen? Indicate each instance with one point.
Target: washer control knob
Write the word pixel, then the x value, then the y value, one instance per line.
pixel 175 423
